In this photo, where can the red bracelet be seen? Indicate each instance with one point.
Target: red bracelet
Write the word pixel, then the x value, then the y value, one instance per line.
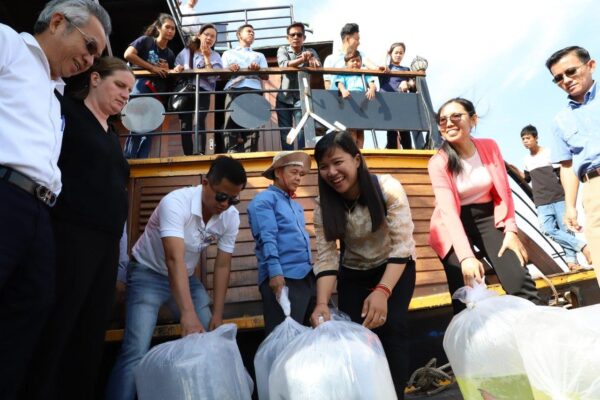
pixel 384 289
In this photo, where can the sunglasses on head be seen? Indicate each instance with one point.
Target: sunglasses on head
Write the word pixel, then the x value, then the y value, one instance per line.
pixel 569 72
pixel 90 43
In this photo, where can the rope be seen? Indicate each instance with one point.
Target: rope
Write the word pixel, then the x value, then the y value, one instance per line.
pixel 430 378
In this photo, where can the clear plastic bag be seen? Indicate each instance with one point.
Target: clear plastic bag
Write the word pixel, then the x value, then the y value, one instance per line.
pixel 336 360
pixel 481 346
pixel 274 344
pixel 198 366
pixel 561 352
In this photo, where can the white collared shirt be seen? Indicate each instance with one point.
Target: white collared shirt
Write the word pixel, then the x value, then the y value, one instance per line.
pixel 31 125
pixel 179 214
pixel 244 56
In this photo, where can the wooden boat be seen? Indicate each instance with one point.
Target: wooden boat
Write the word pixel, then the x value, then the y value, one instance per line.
pixel 152 178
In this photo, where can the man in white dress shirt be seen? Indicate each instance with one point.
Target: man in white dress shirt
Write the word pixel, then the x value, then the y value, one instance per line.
pixel 68 35
pixel 242 57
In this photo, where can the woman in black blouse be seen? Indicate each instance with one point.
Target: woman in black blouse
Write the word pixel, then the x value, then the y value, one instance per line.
pixel 88 222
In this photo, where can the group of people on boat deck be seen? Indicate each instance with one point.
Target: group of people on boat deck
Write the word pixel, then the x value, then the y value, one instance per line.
pixel 151 52
pixel 63 211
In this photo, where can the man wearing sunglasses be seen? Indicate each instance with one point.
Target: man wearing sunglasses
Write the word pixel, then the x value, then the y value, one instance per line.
pixel 288 103
pixel 67 35
pixel 164 258
pixel 577 141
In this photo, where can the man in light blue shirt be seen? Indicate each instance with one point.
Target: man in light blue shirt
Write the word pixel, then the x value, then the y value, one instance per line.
pixel 242 57
pixel 577 141
pixel 282 243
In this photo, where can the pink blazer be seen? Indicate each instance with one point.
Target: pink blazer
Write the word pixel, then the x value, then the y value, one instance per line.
pixel 446 229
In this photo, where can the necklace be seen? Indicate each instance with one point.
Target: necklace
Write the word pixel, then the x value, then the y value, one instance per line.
pixel 350 205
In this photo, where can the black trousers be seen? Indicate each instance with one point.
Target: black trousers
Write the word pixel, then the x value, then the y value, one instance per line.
pixel 354 287
pixel 478 221
pixel 26 281
pixel 69 354
pixel 187 139
pixel 302 294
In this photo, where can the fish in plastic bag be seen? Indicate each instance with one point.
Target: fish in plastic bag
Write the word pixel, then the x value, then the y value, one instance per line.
pixel 561 352
pixel 198 366
pixel 274 344
pixel 481 345
pixel 338 360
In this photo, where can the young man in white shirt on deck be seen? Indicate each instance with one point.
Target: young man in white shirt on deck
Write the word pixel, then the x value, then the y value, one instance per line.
pixel 164 258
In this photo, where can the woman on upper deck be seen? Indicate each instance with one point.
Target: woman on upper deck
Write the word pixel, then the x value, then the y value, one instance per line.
pixel 370 216
pixel 88 221
pixel 397 84
pixel 199 54
pixel 474 206
pixel 150 52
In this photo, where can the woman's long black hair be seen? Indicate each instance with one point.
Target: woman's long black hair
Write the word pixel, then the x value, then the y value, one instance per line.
pixel 333 207
pixel 454 164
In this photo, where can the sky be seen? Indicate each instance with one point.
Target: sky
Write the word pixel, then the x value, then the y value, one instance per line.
pixel 490 52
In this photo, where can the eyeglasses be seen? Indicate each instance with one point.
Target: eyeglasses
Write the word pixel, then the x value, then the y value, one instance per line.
pixel 454 118
pixel 221 197
pixel 569 72
pixel 90 43
pixel 296 34
pixel 231 200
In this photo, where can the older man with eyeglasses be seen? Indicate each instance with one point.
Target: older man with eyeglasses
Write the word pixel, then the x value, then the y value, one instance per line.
pixel 577 141
pixel 67 36
pixel 164 258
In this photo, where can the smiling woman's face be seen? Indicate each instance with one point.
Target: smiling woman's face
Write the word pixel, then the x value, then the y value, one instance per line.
pixel 340 171
pixel 455 123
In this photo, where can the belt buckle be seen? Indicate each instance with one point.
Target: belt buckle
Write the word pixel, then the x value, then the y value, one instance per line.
pixel 45 195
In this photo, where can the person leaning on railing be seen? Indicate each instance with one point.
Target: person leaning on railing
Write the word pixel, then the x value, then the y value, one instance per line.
pixel 199 54
pixel 150 52
pixel 288 102
pixel 241 57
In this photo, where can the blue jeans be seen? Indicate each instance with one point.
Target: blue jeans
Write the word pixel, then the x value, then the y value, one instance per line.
pixel 551 221
pixel 147 290
pixel 137 145
pixel 285 119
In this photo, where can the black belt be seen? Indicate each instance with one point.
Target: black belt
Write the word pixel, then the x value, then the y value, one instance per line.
pixel 24 182
pixel 591 174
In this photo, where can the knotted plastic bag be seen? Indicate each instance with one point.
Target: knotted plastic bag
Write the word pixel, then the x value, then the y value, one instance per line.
pixel 198 366
pixel 338 360
pixel 274 344
pixel 561 352
pixel 481 346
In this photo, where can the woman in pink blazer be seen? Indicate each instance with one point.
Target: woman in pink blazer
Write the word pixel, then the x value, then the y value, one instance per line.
pixel 474 207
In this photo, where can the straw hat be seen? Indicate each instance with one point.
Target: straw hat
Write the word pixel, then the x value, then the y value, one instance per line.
pixel 285 158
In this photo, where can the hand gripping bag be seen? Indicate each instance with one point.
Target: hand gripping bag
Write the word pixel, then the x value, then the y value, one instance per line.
pixel 198 366
pixel 561 352
pixel 274 344
pixel 481 346
pixel 338 360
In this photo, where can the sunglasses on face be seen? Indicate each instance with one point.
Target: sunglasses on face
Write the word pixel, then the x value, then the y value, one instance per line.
pixel 231 200
pixel 569 72
pixel 454 118
pixel 296 34
pixel 90 43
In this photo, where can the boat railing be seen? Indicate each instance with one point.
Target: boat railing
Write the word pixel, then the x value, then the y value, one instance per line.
pixel 323 109
pixel 268 23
